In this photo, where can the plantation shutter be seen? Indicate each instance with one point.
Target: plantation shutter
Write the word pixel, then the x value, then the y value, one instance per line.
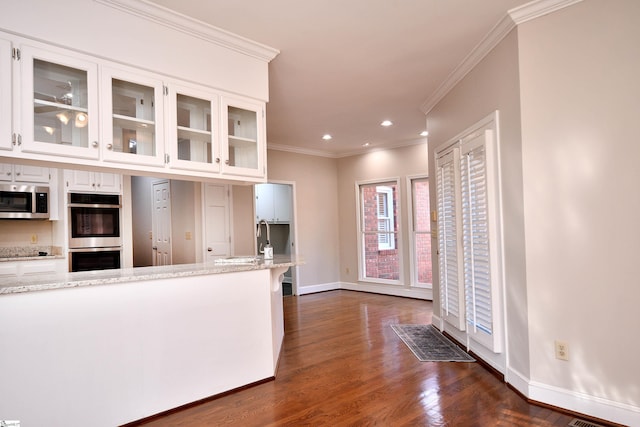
pixel 451 294
pixel 476 240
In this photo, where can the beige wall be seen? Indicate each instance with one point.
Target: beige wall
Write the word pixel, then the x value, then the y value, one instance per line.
pixel 242 215
pixel 493 85
pixel 395 163
pixel 581 101
pixel 317 217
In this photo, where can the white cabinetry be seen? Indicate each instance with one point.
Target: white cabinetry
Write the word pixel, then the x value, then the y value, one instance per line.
pixel 273 203
pixel 94 182
pixel 33 266
pixel 243 137
pixel 193 128
pixel 5 95
pixel 24 173
pixel 132 117
pixel 59 103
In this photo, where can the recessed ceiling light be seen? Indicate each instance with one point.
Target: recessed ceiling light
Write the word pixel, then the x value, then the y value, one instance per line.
pixel 366 144
pixel 326 137
pixel 386 123
pixel 424 133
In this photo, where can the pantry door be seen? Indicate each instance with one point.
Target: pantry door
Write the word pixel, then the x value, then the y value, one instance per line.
pixel 161 223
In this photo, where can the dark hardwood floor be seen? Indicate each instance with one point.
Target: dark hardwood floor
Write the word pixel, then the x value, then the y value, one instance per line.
pixel 342 365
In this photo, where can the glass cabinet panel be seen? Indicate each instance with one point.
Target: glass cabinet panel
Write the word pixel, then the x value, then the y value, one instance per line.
pixel 194 129
pixel 134 127
pixel 242 131
pixel 60 104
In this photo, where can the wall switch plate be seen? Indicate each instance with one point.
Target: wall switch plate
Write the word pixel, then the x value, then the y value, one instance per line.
pixel 562 350
pixel 187 235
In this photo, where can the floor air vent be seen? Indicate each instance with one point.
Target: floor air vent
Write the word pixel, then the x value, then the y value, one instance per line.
pixel 582 423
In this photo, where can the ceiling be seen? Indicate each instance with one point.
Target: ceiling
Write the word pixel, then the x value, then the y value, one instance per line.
pixel 346 65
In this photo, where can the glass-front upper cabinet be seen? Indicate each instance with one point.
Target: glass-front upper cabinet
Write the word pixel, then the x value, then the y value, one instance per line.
pixel 132 129
pixel 59 104
pixel 243 146
pixel 5 95
pixel 193 129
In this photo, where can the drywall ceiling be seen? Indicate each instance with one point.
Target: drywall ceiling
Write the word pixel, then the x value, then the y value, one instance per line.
pixel 346 65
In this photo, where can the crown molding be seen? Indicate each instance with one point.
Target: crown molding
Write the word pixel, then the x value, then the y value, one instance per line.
pixel 320 153
pixel 513 18
pixel 193 27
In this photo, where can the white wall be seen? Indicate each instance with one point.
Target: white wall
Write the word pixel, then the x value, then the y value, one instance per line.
pixel 395 163
pixel 566 87
pixel 580 108
pixel 103 31
pixel 493 85
pixel 316 216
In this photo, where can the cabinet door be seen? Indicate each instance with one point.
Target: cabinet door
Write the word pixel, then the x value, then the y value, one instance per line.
pixel 282 202
pixel 264 202
pixel 132 126
pixel 243 141
pixel 5 96
pixel 6 172
pixel 108 182
pixel 77 180
pixel 59 103
pixel 26 173
pixel 193 137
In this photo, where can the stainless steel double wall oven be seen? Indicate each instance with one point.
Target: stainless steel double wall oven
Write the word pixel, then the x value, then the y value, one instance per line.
pixel 95 238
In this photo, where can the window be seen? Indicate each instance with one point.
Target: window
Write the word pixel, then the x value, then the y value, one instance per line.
pixel 379 256
pixel 384 205
pixel 421 270
pixel 468 235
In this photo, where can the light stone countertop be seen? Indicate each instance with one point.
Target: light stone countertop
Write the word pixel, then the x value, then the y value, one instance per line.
pixel 43 282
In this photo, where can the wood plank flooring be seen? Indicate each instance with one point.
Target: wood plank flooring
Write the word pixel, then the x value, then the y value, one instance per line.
pixel 342 365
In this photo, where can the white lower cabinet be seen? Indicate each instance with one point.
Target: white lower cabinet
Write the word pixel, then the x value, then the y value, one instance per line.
pixel 32 266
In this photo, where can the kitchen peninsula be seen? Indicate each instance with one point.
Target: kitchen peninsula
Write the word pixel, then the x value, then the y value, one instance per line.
pixel 105 348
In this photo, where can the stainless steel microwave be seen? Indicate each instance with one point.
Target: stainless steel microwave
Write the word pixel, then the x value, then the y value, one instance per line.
pixel 24 202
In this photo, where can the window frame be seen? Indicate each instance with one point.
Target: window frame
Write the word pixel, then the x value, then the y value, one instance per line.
pixel 413 253
pixel 361 234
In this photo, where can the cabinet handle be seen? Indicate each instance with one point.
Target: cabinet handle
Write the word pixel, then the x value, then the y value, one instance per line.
pixel 226 162
pixel 217 159
pixel 209 250
pixel 109 146
pixel 17 173
pixel 94 143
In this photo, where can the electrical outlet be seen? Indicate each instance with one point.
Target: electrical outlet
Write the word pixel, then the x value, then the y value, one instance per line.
pixel 34 239
pixel 151 235
pixel 187 235
pixel 562 350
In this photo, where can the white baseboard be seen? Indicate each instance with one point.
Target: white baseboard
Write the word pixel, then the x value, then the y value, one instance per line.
pixel 398 291
pixel 580 403
pixel 322 287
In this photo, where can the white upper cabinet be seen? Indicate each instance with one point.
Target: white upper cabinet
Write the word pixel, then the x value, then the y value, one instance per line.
pixel 59 103
pixel 5 95
pixel 132 129
pixel 92 182
pixel 243 137
pixel 193 132
pixel 24 173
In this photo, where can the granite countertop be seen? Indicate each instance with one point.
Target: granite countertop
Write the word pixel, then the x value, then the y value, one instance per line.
pixel 43 282
pixel 28 253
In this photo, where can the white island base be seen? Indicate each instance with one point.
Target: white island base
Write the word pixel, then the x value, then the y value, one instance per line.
pixel 112 354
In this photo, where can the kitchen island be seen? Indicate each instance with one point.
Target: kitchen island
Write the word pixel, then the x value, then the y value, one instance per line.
pixel 109 347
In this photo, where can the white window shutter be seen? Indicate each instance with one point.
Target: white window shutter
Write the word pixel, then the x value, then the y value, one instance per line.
pixel 476 242
pixel 451 292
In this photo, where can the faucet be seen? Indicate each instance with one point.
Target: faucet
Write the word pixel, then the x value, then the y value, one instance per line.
pixel 268 249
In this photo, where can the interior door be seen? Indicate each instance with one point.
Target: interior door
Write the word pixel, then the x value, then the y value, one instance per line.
pixel 161 223
pixel 217 224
